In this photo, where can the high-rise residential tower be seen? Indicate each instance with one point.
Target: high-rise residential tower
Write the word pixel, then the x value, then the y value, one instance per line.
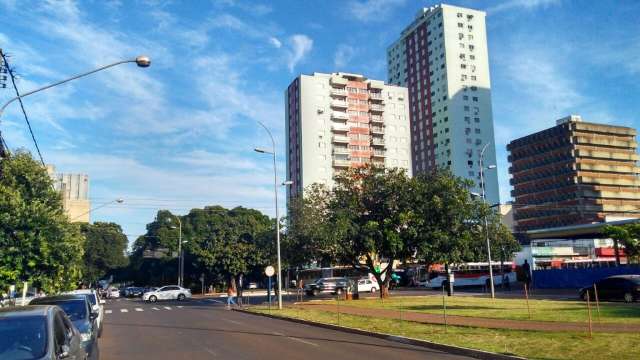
pixel 341 120
pixel 442 58
pixel 574 173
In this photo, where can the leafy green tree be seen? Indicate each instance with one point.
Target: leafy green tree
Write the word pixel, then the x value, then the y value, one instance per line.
pixel 105 250
pixel 38 244
pixel 628 235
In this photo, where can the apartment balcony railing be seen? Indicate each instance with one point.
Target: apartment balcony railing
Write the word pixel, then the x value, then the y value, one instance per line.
pixel 339 115
pixel 339 104
pixel 377 142
pixel 377 130
pixel 338 92
pixel 341 163
pixel 340 139
pixel 376 119
pixel 376 97
pixel 341 150
pixel 376 108
pixel 340 128
pixel 379 153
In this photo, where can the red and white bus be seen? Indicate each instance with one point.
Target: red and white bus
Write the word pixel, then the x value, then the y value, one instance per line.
pixel 472 274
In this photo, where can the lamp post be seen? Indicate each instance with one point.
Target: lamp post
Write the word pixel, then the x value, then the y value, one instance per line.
pixel 179 248
pixel 275 192
pixel 141 61
pixel 486 224
pixel 118 200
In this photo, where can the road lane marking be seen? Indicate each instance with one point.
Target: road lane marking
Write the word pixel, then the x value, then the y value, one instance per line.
pixel 179 306
pixel 211 352
pixel 233 321
pixel 155 308
pixel 168 308
pixel 124 310
pixel 303 341
pixel 107 311
pixel 139 309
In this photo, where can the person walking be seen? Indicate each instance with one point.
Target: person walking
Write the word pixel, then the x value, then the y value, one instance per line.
pixel 526 269
pixel 231 294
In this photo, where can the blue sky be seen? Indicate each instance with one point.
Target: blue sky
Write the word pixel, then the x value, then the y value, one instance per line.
pixel 180 134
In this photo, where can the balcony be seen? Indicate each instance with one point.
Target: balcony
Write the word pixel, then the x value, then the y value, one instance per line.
pixel 339 104
pixel 341 163
pixel 376 108
pixel 378 154
pixel 338 93
pixel 376 97
pixel 339 115
pixel 340 139
pixel 377 130
pixel 341 150
pixel 340 128
pixel 376 119
pixel 338 81
pixel 377 142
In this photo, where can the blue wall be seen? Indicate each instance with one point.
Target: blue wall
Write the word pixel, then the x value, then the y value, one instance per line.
pixel 577 278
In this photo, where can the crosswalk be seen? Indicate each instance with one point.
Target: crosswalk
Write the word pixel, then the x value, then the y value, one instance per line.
pixel 139 309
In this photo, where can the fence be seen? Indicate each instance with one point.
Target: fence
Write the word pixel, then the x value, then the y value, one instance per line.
pixel 576 278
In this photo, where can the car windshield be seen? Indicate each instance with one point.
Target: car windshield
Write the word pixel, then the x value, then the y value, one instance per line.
pixel 92 299
pixel 75 309
pixel 23 337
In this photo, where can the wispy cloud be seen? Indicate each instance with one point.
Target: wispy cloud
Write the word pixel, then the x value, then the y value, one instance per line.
pixel 522 4
pixel 372 10
pixel 343 56
pixel 299 46
pixel 275 42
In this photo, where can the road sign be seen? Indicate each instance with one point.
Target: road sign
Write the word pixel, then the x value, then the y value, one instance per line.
pixel 269 271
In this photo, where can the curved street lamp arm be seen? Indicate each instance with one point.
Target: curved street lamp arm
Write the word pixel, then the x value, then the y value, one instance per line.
pixel 96 208
pixel 62 82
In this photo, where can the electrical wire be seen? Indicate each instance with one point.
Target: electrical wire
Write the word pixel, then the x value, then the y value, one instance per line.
pixel 24 112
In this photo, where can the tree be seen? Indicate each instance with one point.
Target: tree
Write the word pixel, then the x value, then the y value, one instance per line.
pixel 38 244
pixel 628 235
pixel 105 250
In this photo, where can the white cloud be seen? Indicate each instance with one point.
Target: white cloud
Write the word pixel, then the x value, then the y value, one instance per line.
pixel 343 56
pixel 372 10
pixel 522 4
pixel 275 42
pixel 300 46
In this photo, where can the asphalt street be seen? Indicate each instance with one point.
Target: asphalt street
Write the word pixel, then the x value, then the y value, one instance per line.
pixel 204 329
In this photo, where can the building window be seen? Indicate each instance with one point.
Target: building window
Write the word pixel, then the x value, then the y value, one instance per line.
pixel 477 131
pixel 475 98
pixel 459 15
pixel 460 25
pixel 465 97
pixel 477 120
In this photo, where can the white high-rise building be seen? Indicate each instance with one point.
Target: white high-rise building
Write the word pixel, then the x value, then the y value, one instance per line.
pixel 442 58
pixel 341 120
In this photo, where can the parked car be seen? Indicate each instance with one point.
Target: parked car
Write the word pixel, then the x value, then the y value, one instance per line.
pixel 619 287
pixel 334 285
pixel 16 300
pixel 131 292
pixel 113 293
pixel 252 285
pixel 171 292
pixel 97 304
pixel 368 285
pixel 38 332
pixel 78 309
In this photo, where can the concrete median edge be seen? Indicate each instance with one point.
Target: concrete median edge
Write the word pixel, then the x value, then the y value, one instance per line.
pixel 451 349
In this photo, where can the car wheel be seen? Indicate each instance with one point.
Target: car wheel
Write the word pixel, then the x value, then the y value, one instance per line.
pixel 628 297
pixel 339 291
pixel 181 297
pixel 315 292
pixel 373 290
pixel 153 298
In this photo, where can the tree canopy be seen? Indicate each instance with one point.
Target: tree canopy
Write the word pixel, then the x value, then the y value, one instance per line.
pixel 38 244
pixel 628 235
pixel 104 250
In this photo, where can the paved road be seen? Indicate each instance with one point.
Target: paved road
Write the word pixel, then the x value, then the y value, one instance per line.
pixel 203 329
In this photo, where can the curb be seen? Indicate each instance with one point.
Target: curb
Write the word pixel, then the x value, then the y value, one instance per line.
pixel 451 349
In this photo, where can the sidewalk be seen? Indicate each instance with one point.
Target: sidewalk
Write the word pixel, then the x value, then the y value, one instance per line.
pixel 472 321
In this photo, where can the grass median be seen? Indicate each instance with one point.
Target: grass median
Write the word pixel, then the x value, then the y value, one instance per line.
pixel 513 309
pixel 529 344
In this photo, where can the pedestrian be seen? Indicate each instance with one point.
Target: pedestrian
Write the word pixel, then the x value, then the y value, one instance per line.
pixel 526 269
pixel 231 294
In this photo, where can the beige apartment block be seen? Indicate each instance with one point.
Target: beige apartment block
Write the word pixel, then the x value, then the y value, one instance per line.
pixel 74 189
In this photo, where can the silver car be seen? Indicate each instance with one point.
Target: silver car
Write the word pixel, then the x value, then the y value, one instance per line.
pixel 171 292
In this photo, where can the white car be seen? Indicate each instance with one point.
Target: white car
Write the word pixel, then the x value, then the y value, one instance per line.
pixel 96 304
pixel 113 293
pixel 171 292
pixel 367 285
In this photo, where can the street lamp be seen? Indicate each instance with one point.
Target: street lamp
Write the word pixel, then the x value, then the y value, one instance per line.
pixel 179 248
pixel 486 224
pixel 275 191
pixel 142 61
pixel 118 200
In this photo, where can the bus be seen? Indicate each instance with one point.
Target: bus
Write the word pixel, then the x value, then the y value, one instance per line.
pixel 471 274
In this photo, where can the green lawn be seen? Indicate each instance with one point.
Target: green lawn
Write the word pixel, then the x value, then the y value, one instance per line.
pixel 530 344
pixel 543 310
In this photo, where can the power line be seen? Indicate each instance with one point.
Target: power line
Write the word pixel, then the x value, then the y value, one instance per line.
pixel 24 112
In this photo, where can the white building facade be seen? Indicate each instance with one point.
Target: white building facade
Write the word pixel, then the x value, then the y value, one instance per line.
pixel 341 120
pixel 442 58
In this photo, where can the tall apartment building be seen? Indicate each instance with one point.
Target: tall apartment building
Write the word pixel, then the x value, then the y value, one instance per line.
pixel 341 120
pixel 74 189
pixel 442 58
pixel 574 173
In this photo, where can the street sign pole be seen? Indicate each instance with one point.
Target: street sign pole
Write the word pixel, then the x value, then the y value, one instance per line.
pixel 269 271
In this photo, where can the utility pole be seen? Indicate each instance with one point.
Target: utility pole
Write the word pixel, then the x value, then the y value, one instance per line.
pixel 3 85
